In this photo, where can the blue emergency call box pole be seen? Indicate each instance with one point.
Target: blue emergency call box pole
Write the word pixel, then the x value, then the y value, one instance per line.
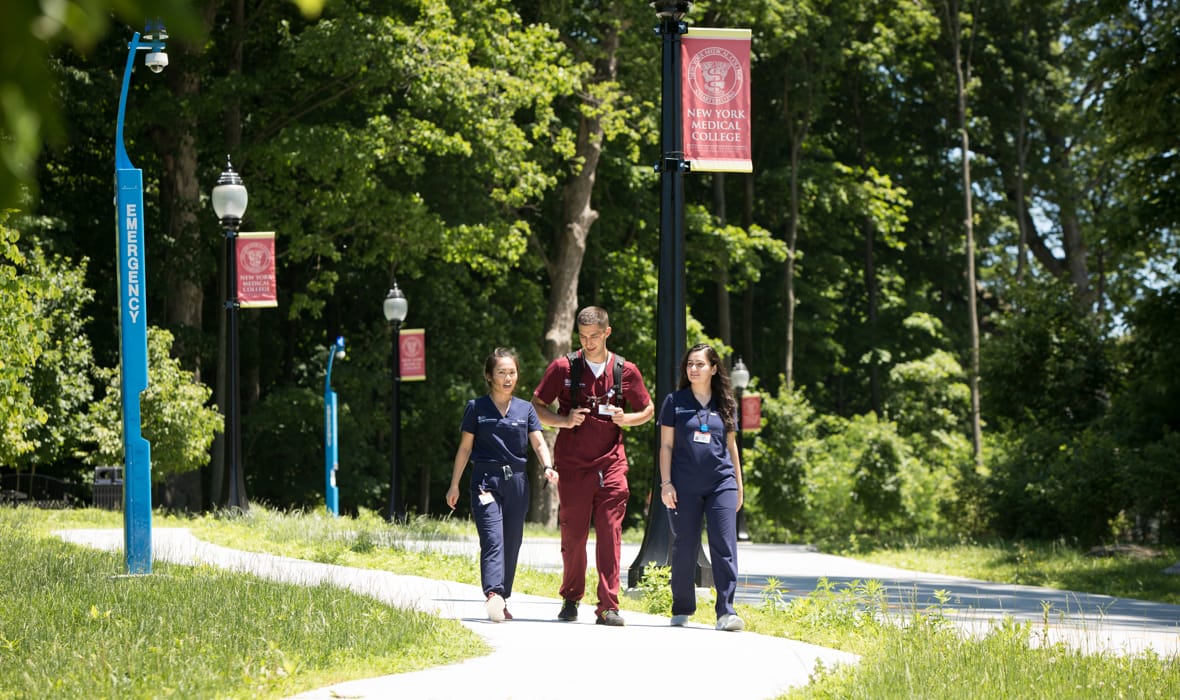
pixel 132 281
pixel 331 449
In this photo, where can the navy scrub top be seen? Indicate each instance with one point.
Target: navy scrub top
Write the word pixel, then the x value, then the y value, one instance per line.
pixel 696 465
pixel 500 439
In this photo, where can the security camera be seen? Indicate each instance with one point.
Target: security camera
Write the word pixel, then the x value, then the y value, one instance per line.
pixel 156 60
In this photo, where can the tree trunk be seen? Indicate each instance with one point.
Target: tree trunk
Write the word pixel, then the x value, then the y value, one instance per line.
pixel 577 217
pixel 180 189
pixel 962 77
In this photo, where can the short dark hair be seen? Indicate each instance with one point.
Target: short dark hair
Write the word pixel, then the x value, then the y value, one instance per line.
pixel 593 316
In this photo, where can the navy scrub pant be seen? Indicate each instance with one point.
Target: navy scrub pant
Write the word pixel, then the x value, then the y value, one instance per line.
pixel 500 524
pixel 719 508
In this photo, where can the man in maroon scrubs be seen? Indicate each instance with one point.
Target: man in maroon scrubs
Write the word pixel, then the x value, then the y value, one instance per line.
pixel 589 458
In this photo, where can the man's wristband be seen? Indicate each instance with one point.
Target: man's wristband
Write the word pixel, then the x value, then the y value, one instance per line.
pixel 547 468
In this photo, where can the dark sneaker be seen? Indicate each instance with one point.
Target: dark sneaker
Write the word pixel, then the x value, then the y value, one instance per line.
pixel 569 611
pixel 610 618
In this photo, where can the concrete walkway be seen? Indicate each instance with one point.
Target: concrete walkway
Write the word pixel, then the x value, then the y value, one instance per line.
pixel 537 657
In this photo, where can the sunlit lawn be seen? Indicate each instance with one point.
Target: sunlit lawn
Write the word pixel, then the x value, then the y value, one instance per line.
pixel 87 607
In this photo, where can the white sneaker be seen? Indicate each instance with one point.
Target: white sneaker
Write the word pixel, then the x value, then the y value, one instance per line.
pixel 495 606
pixel 679 620
pixel 730 623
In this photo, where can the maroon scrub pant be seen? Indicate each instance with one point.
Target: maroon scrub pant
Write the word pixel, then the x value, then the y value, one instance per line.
pixel 586 498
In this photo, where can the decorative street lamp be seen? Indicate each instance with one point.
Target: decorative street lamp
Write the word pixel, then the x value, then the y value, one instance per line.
pixel 137 452
pixel 395 308
pixel 671 318
pixel 229 203
pixel 331 451
pixel 739 377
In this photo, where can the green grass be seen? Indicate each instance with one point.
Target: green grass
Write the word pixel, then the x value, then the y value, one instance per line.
pixel 929 659
pixel 1053 565
pixel 72 626
pixel 272 657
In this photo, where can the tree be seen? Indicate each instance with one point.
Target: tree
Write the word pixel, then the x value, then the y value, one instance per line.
pixel 23 336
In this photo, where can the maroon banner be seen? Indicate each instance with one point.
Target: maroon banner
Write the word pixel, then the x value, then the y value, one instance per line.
pixel 256 270
pixel 715 99
pixel 751 412
pixel 412 355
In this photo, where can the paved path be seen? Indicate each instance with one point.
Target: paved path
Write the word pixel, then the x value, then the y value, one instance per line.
pixel 537 657
pixel 1085 621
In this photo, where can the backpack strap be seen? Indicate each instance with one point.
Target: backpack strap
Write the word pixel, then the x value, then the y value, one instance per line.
pixel 618 380
pixel 576 368
pixel 575 360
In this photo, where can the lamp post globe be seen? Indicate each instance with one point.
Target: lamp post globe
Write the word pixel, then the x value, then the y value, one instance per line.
pixel 395 307
pixel 739 376
pixel 229 199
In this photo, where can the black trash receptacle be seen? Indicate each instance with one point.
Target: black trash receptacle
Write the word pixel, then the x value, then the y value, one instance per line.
pixel 108 488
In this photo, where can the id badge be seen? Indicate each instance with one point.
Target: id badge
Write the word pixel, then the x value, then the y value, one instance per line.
pixel 485 498
pixel 698 436
pixel 604 410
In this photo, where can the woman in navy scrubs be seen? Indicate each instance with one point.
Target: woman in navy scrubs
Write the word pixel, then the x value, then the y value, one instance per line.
pixel 701 477
pixel 496 431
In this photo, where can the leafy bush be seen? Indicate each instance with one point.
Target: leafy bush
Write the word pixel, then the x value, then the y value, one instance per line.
pixel 177 418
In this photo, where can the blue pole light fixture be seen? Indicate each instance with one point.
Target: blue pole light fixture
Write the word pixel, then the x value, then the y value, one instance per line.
pixel 395 307
pixel 331 450
pixel 132 281
pixel 229 204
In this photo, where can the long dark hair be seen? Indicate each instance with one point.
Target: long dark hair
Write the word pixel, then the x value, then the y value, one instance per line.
pixel 722 389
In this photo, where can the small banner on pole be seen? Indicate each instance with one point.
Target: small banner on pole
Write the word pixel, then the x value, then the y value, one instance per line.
pixel 412 353
pixel 751 412
pixel 256 270
pixel 715 99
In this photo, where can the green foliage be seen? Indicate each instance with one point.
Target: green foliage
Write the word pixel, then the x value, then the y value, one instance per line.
pixel 23 337
pixel 777 464
pixel 60 381
pixel 177 420
pixel 654 589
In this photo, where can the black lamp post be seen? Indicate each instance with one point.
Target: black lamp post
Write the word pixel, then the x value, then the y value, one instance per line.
pixel 671 328
pixel 395 308
pixel 739 377
pixel 229 203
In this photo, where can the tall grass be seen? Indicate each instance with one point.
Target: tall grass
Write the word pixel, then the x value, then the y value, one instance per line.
pixel 72 627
